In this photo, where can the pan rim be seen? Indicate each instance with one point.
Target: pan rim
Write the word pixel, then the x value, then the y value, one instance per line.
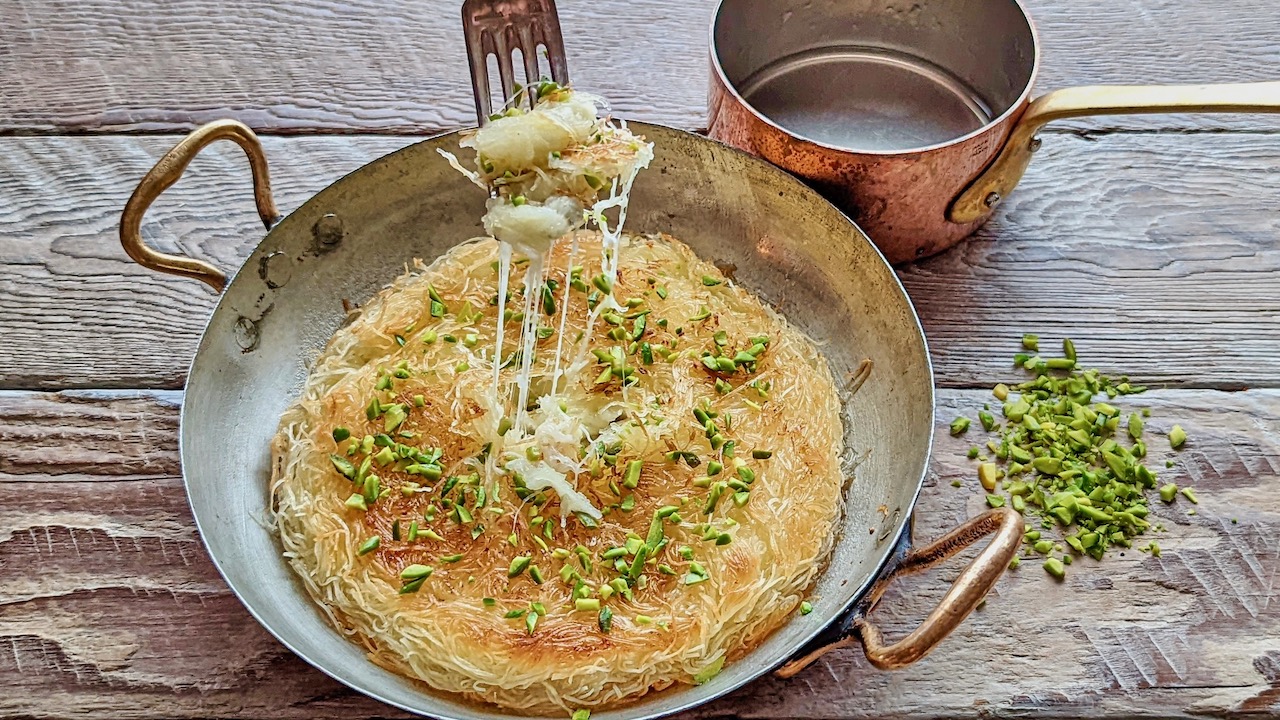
pixel 903 524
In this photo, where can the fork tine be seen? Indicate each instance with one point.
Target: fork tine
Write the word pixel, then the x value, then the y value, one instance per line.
pixel 478 54
pixel 529 51
pixel 506 73
pixel 553 39
pixel 478 50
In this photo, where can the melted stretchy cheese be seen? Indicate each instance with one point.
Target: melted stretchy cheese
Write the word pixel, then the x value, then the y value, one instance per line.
pixel 687 605
pixel 545 169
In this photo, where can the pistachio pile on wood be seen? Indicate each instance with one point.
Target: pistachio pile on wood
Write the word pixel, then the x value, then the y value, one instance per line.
pixel 1059 456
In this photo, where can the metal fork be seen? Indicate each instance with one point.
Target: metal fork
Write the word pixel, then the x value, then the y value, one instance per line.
pixel 500 26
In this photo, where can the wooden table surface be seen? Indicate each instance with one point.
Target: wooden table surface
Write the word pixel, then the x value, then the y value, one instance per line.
pixel 1153 241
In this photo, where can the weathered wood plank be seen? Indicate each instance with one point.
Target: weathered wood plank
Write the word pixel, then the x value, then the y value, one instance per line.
pixel 362 65
pixel 1159 265
pixel 110 607
pixel 71 295
pixel 1157 254
pixel 131 436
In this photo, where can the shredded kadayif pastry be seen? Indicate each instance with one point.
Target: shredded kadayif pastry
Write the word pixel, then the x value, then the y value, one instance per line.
pixel 638 486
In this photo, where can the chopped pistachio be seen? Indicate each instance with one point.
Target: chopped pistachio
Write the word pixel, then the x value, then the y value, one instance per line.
pixel 392 418
pixel 412 586
pixel 414 572
pixel 343 466
pixel 1061 456
pixel 1135 426
pixel 518 565
pixel 988 474
pixel 710 671
pixel 631 479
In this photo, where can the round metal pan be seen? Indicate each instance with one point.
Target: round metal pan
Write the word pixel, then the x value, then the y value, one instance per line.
pixel 775 237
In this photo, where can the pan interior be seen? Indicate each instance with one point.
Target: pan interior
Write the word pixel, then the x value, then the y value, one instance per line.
pixel 887 100
pixel 773 235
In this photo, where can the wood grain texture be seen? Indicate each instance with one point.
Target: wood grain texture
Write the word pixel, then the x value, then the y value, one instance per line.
pixel 368 66
pixel 1157 254
pixel 110 607
pixel 68 286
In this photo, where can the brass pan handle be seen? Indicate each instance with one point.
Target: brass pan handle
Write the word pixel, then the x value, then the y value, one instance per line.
pixel 998 180
pixel 966 592
pixel 166 172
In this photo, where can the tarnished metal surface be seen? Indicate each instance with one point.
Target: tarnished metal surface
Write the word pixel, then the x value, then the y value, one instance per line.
pixel 786 244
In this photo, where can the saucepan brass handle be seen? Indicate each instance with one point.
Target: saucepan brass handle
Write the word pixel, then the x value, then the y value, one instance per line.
pixel 166 172
pixel 965 594
pixel 998 180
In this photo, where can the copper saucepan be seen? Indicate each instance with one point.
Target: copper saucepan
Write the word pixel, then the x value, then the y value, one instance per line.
pixel 914 117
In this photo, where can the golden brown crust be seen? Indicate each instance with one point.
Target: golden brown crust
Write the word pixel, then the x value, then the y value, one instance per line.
pixel 443 633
